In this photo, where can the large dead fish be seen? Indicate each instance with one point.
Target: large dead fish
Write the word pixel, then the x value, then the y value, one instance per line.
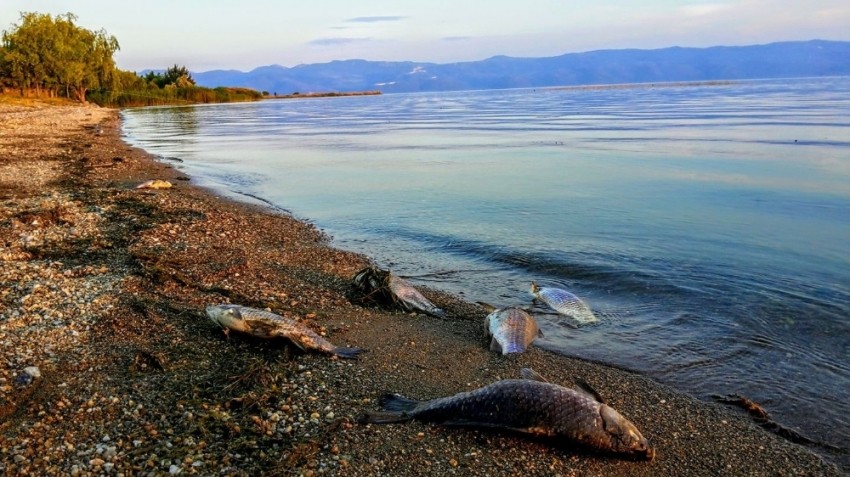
pixel 511 330
pixel 564 303
pixel 384 286
pixel 530 406
pixel 267 325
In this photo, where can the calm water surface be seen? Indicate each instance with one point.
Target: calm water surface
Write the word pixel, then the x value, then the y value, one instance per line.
pixel 708 226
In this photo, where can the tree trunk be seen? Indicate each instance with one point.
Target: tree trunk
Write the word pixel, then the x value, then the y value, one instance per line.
pixel 80 92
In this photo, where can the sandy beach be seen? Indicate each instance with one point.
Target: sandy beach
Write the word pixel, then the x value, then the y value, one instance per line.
pixel 103 288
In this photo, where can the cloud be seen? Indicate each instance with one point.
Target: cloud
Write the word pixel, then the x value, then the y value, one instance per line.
pixel 375 19
pixel 337 41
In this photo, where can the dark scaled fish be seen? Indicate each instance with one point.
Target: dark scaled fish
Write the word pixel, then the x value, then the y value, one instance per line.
pixel 530 406
pixel 383 286
pixel 511 330
pixel 267 325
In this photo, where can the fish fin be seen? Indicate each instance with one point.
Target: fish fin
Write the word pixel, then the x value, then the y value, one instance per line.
pixel 586 388
pixel 438 313
pixel 469 423
pixel 487 307
pixel 289 339
pixel 348 353
pixel 495 346
pixel 298 345
pixel 260 329
pixel 397 403
pixel 532 375
pixel 538 431
pixel 383 417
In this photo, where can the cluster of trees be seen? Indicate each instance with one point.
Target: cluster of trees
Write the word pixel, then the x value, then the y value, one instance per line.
pixel 52 56
pixel 173 86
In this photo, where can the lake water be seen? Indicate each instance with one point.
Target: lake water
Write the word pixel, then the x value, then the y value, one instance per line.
pixel 707 226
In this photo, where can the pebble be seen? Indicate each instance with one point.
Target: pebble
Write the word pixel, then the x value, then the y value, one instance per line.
pixel 33 371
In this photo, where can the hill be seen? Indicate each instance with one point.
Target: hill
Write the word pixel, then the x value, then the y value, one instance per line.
pixel 774 60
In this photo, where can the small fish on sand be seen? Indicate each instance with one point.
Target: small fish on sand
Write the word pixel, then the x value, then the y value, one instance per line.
pixel 564 303
pixel 530 406
pixel 267 325
pixel 154 184
pixel 384 286
pixel 511 330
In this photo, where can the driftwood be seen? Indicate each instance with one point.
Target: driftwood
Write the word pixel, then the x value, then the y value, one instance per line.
pixel 762 418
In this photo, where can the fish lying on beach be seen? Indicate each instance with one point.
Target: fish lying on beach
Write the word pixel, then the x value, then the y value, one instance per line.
pixel 265 324
pixel 511 330
pixel 530 406
pixel 564 303
pixel 154 184
pixel 384 286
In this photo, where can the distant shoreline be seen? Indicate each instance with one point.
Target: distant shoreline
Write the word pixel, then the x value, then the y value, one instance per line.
pixel 323 95
pixel 656 84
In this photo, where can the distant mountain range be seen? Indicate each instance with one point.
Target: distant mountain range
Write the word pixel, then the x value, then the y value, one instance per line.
pixel 774 60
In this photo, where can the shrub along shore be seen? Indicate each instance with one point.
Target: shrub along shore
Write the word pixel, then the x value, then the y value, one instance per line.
pixel 103 286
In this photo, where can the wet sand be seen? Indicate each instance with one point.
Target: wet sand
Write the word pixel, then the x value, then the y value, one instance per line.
pixel 103 286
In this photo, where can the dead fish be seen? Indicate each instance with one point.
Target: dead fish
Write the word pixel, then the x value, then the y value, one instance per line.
pixel 564 303
pixel 511 330
pixel 154 184
pixel 529 406
pixel 265 324
pixel 384 286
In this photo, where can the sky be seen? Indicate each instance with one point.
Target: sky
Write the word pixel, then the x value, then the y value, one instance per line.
pixel 204 35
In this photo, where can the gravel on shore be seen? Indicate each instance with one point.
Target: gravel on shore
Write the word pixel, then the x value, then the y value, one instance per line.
pixel 108 365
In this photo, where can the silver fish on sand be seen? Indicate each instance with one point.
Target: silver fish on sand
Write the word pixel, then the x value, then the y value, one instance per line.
pixel 511 330
pixel 564 303
pixel 268 325
pixel 528 406
pixel 382 285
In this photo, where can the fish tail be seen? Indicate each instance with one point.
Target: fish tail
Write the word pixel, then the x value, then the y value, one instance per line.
pixel 348 353
pixel 397 403
pixel 395 409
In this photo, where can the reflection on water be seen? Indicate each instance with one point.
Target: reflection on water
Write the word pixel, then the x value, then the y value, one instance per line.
pixel 706 226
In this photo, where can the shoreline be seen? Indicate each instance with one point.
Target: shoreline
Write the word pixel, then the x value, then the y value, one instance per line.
pixel 104 288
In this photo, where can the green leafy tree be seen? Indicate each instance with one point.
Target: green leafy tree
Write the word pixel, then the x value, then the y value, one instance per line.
pixel 179 76
pixel 53 55
pixel 175 76
pixel 47 53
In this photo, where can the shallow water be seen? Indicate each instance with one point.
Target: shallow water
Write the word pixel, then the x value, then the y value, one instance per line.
pixel 708 227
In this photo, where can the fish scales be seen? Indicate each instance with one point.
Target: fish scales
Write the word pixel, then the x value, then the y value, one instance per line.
pixel 564 303
pixel 523 405
pixel 528 406
pixel 411 298
pixel 265 324
pixel 512 330
pixel 384 286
